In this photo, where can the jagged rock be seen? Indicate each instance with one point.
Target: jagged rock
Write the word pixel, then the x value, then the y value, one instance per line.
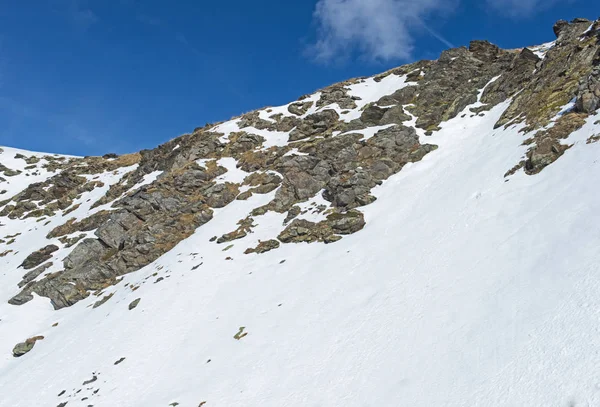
pixel 372 115
pixel 315 124
pixel 114 232
pixel 21 298
pixel 557 79
pixel 558 27
pixel 577 20
pixel 402 96
pixel 220 195
pixel 336 94
pixel 285 123
pixel 88 249
pixel 301 230
pixel 588 94
pixel 24 347
pixel 264 247
pixel 253 119
pixel 8 172
pixel 512 81
pixel 32 160
pixel 394 115
pixel 299 108
pixel 85 225
pixel 246 226
pixel 244 195
pixel 243 141
pixel 33 274
pixel 547 146
pixel 103 300
pixel 484 50
pixel 383 155
pixel 453 83
pixel 62 292
pixel 293 212
pixel 93 268
pixel 38 257
pixel 71 241
pixel 346 223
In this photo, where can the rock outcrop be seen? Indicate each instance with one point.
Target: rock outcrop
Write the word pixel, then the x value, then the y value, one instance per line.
pixel 318 148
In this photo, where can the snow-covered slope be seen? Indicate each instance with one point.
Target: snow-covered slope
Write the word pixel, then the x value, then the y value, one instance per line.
pixel 467 286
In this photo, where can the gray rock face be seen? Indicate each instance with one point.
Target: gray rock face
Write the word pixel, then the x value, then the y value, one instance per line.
pixel 114 232
pixel 484 50
pixel 21 298
pixel 588 94
pixel 517 75
pixel 301 230
pixel 558 27
pixel 336 94
pixel 402 96
pixel 88 249
pixel 315 124
pixel 454 81
pixel 264 247
pixel 394 115
pixel 381 156
pixel 372 115
pixel 33 274
pixel 299 108
pixel 243 141
pixel 557 78
pixel 347 223
pixel 38 257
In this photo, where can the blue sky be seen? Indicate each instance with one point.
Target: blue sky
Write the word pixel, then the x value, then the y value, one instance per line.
pixel 88 77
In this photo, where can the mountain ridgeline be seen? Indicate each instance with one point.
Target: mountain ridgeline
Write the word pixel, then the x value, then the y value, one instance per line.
pixel 322 153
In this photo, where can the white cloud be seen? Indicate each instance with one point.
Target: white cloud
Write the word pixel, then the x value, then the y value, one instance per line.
pixel 378 29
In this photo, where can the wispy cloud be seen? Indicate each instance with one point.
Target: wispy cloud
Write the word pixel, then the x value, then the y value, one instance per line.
pixel 377 29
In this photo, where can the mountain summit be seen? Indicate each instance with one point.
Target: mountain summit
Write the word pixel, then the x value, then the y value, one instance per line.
pixel 427 236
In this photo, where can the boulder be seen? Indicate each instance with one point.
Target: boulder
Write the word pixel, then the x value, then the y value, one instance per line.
pixel 134 304
pixel 24 347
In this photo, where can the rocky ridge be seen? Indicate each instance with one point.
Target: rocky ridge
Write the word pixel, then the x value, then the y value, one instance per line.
pixel 316 161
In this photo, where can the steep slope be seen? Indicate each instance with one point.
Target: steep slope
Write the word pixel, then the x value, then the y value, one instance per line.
pixel 427 236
